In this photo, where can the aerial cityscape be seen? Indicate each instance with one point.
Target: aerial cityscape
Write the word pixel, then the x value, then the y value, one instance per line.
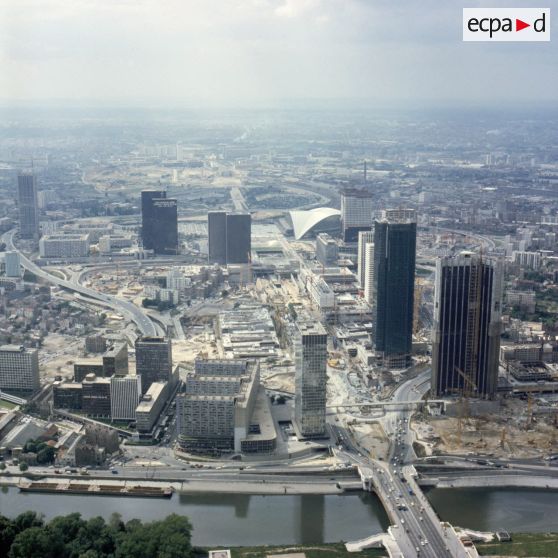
pixel 336 320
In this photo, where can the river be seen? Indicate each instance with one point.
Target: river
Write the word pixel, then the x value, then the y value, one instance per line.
pixel 227 519
pixel 237 519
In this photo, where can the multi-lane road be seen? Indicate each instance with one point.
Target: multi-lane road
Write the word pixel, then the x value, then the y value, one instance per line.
pixel 121 306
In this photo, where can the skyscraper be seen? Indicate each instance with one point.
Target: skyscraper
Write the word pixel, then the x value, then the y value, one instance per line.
pixel 356 213
pixel 153 361
pixel 12 264
pixel 466 331
pixel 395 236
pixel 239 238
pixel 159 222
pixel 368 287
pixel 217 237
pixel 28 206
pixel 229 237
pixel 364 237
pixel 310 378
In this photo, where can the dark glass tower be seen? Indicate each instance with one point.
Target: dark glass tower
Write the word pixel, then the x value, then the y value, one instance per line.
pixel 239 238
pixel 217 234
pixel 230 237
pixel 28 206
pixel 159 222
pixel 466 333
pixel 395 238
pixel 153 361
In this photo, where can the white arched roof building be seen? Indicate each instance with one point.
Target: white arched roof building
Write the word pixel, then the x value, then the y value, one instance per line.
pixel 321 217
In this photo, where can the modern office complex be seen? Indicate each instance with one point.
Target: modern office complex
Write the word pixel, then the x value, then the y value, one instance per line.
pixel 356 213
pixel 153 361
pixel 19 369
pixel 12 264
pixel 327 250
pixel 466 332
pixel 95 396
pixel 150 406
pixel 395 236
pixel 310 379
pixel 28 206
pixel 125 393
pixel 159 222
pixel 229 237
pixel 364 238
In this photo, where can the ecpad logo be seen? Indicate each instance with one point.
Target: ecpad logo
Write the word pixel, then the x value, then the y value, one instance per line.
pixel 506 24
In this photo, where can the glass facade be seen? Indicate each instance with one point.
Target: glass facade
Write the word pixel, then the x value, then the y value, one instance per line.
pixel 394 284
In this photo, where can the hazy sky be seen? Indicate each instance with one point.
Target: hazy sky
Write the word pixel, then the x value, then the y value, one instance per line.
pixel 230 52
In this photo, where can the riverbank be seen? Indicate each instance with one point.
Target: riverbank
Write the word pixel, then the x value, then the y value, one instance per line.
pixel 335 550
pixel 268 486
pixel 523 545
pixel 500 481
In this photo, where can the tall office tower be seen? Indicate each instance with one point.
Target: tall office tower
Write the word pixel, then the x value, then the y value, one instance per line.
pixel 153 361
pixel 229 237
pixel 125 394
pixel 217 237
pixel 19 368
pixel 356 213
pixel 11 262
pixel 395 238
pixel 466 331
pixel 239 238
pixel 364 238
pixel 327 250
pixel 28 206
pixel 310 378
pixel 159 222
pixel 369 272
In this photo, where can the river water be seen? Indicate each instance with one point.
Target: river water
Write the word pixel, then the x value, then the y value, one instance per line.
pixel 237 519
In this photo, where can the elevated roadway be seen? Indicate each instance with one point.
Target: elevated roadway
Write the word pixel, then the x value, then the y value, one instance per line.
pixel 118 305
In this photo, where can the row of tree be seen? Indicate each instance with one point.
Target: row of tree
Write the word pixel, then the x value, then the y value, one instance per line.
pixel 71 536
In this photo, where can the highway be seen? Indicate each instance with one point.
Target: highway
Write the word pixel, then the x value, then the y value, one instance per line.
pixel 121 306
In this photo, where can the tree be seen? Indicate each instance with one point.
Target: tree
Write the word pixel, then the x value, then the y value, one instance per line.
pixel 7 535
pixel 36 541
pixel 2 466
pixel 45 455
pixel 23 467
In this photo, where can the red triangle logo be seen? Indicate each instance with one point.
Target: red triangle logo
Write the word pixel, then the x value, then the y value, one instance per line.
pixel 519 25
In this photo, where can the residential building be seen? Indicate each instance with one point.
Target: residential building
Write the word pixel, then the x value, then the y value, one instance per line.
pixel 19 369
pixel 64 246
pixel 217 410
